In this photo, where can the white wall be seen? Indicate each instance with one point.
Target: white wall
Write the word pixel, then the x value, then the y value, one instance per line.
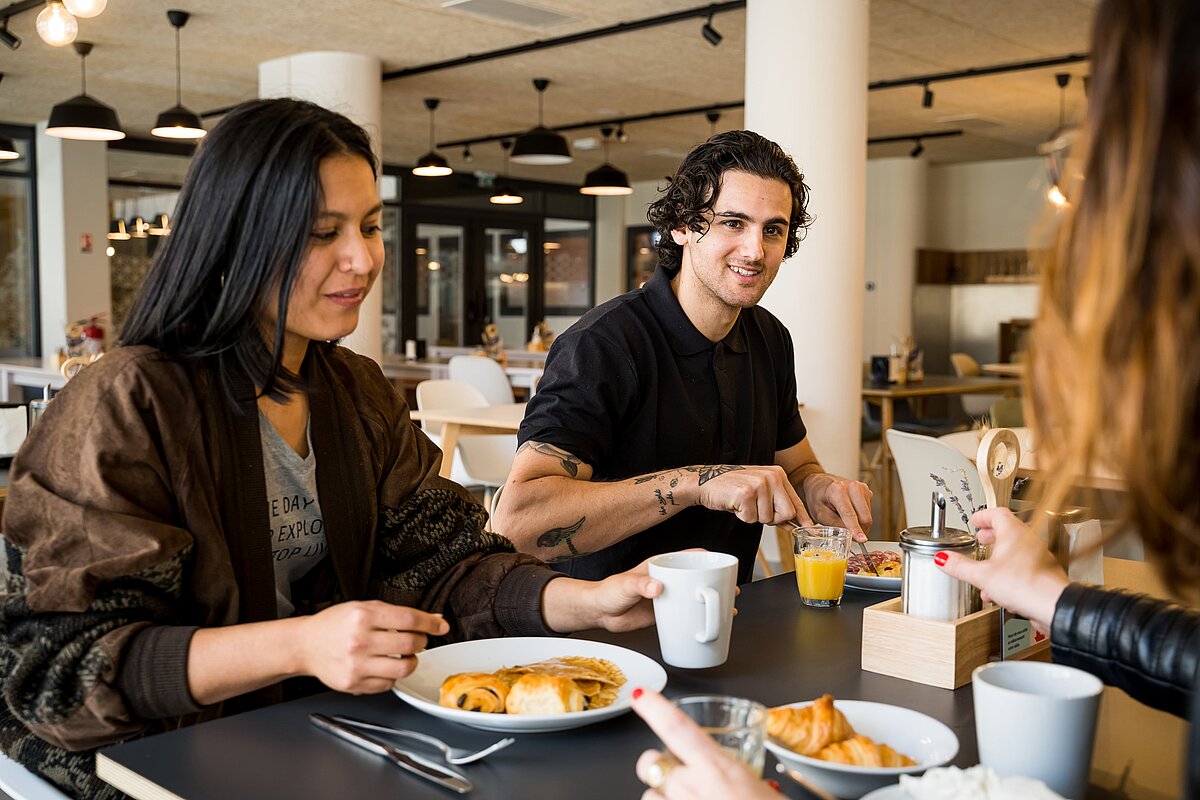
pixel 988 205
pixel 896 211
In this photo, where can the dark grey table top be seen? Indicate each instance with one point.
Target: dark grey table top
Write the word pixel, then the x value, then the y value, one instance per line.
pixel 781 652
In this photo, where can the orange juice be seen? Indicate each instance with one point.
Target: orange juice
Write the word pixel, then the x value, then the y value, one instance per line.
pixel 820 576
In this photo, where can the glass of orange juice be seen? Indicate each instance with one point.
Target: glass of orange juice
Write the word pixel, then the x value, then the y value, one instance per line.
pixel 821 554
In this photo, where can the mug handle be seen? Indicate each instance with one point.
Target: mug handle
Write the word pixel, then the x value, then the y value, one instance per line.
pixel 712 614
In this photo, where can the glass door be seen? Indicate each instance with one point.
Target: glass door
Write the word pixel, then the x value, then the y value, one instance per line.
pixel 506 283
pixel 440 252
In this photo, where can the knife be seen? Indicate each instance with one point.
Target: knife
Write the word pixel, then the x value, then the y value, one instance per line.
pixel 862 546
pixel 412 762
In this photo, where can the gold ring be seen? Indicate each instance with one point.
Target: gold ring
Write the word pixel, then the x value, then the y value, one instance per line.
pixel 659 770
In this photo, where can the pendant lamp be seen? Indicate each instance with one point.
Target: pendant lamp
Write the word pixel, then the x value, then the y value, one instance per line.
pixel 178 122
pixel 540 145
pixel 432 165
pixel 1055 148
pixel 505 194
pixel 606 180
pixel 83 117
pixel 86 9
pixel 8 149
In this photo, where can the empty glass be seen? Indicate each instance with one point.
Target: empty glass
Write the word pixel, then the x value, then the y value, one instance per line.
pixel 736 724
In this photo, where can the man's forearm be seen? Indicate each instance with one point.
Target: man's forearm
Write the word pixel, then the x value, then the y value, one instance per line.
pixel 558 517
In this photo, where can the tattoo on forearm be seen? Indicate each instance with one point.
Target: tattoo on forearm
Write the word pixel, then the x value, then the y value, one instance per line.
pixel 664 500
pixel 559 536
pixel 709 471
pixel 569 463
pixel 658 476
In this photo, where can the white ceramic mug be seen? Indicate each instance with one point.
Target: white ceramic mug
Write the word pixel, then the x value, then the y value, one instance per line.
pixel 694 613
pixel 1037 720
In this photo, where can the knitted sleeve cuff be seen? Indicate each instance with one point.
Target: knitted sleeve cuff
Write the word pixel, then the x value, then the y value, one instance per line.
pixel 153 676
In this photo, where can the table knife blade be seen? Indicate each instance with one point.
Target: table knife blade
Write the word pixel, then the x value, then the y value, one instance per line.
pixel 411 762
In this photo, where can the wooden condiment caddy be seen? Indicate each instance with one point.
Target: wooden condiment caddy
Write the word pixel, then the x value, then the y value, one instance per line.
pixel 931 651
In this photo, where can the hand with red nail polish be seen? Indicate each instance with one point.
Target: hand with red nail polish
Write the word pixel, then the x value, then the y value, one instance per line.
pixel 696 768
pixel 940 558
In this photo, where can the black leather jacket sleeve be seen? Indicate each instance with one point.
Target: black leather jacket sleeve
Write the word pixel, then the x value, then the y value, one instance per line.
pixel 1147 647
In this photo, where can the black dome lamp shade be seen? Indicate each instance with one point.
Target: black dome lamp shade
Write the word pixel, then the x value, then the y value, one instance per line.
pixel 540 145
pixel 83 117
pixel 432 165
pixel 8 149
pixel 606 180
pixel 178 122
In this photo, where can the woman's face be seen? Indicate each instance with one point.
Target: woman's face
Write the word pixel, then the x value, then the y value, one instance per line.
pixel 342 260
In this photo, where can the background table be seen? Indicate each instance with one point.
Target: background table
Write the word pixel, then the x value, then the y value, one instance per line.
pixel 930 386
pixel 471 421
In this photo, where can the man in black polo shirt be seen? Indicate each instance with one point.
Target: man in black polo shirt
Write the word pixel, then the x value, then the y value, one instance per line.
pixel 667 417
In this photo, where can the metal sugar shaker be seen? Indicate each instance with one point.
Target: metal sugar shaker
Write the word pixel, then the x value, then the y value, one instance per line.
pixel 926 591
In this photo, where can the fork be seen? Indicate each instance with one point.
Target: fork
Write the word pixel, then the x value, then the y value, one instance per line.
pixel 453 755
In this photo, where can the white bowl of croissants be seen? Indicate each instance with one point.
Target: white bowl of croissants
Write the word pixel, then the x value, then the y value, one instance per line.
pixel 852 747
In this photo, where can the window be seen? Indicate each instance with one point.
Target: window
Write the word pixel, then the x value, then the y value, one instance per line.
pixel 19 335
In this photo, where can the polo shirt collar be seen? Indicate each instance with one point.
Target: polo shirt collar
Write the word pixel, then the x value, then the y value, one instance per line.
pixel 685 338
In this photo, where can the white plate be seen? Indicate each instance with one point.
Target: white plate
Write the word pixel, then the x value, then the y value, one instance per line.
pixel 918 736
pixel 871 583
pixel 893 792
pixel 421 689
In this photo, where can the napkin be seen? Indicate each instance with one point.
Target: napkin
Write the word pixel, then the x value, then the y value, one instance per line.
pixel 14 424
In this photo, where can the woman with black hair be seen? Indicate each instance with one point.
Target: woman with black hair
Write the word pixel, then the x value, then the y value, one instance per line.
pixel 229 500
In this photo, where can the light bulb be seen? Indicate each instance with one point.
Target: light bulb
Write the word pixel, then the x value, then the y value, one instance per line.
pixel 55 24
pixel 86 9
pixel 1055 195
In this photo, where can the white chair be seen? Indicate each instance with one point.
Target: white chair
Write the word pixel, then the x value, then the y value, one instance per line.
pixel 974 405
pixel 924 465
pixel 21 784
pixel 14 426
pixel 479 460
pixel 485 375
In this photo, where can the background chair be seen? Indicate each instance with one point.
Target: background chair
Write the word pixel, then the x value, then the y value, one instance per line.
pixel 479 460
pixel 485 375
pixel 1008 412
pixel 14 426
pixel 924 465
pixel 974 405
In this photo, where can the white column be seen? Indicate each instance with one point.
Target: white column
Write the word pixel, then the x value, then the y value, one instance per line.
pixel 806 88
pixel 896 214
pixel 350 84
pixel 72 202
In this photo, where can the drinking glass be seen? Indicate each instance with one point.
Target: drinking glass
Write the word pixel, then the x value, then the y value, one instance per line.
pixel 821 554
pixel 737 725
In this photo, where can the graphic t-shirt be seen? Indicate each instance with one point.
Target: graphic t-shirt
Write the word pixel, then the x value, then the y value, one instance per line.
pixel 297 528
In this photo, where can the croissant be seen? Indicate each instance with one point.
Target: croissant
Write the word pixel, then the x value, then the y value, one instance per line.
pixel 810 729
pixel 859 751
pixel 474 691
pixel 544 694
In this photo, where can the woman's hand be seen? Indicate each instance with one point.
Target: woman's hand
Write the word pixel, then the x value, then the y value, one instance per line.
pixel 703 772
pixel 363 647
pixel 620 602
pixel 1020 574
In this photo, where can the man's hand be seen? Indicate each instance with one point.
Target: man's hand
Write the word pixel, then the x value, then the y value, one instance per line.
pixel 752 494
pixel 840 502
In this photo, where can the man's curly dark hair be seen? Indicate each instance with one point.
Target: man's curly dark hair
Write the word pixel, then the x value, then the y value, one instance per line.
pixel 691 192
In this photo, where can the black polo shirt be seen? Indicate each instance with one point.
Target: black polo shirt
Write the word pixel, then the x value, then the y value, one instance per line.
pixel 634 387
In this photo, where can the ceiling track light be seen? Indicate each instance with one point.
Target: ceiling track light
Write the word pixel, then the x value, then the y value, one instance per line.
pixel 710 33
pixel 622 136
pixel 55 25
pixel 432 165
pixel 918 148
pixel 540 145
pixel 606 180
pixel 467 157
pixel 505 194
pixel 83 117
pixel 927 97
pixel 178 122
pixel 10 39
